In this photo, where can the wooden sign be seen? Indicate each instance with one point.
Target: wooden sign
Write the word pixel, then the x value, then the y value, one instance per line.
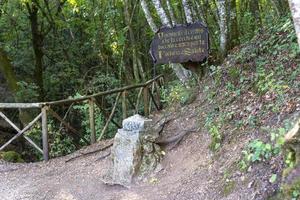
pixel 180 44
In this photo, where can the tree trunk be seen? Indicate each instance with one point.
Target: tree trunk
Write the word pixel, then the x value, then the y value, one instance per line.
pixel 6 69
pixel 254 8
pixel 171 12
pixel 281 6
pixel 199 12
pixel 234 31
pixel 132 41
pixel 295 9
pixel 161 13
pixel 187 11
pixel 148 16
pixel 37 43
pixel 221 4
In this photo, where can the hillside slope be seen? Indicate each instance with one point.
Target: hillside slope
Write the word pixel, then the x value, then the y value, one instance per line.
pixel 241 113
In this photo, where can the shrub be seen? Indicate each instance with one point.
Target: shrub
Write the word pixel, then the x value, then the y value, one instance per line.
pixel 11 156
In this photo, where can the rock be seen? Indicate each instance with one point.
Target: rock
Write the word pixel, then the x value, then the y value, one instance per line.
pixel 136 122
pixel 133 153
pixel 126 156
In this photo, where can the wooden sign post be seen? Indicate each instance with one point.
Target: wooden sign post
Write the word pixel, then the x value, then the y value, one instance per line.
pixel 180 44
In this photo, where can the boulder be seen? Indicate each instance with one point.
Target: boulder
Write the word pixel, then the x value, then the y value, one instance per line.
pixel 134 151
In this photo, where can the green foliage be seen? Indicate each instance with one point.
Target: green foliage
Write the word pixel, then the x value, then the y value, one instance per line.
pixel 61 144
pixel 259 151
pixel 234 73
pixel 268 82
pixel 273 178
pixel 229 187
pixel 296 194
pixel 11 156
pixel 213 128
pixel 216 137
pixel 83 110
pixel 216 73
pixel 178 93
pixel 35 134
pixel 292 190
pixel 28 92
pixel 290 159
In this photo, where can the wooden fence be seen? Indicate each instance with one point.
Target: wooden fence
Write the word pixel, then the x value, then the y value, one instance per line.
pixel 149 90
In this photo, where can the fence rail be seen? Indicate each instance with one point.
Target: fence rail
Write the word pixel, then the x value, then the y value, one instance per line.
pixel 150 91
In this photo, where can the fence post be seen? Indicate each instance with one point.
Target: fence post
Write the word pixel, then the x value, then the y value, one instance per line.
pixel 146 101
pixel 45 134
pixel 92 120
pixel 124 107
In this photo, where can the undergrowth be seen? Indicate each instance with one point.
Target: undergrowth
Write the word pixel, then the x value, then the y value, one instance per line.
pixel 252 93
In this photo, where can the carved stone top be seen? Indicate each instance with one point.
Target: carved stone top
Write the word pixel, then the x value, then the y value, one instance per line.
pixel 135 123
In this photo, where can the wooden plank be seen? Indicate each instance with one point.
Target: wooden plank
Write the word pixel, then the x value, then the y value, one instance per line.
pixel 68 101
pixel 67 125
pixel 45 134
pixel 131 87
pixel 92 121
pixel 10 122
pixel 124 106
pixel 110 117
pixel 22 131
pixel 33 144
pixel 20 105
pixel 18 130
pixel 146 101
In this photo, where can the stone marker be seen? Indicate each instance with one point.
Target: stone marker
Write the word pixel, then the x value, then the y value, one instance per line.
pixel 132 154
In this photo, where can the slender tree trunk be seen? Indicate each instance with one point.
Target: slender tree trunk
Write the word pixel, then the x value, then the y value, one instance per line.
pixel 183 74
pixel 187 11
pixel 221 4
pixel 281 6
pixel 132 41
pixel 199 12
pixel 161 13
pixel 6 69
pixel 234 30
pixel 254 8
pixel 295 9
pixel 148 16
pixel 171 12
pixel 37 43
pixel 275 6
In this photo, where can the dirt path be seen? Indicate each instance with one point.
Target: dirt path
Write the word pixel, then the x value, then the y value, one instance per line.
pixel 81 178
pixel 189 172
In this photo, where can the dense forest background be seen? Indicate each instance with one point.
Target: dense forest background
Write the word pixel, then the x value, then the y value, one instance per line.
pixel 58 49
